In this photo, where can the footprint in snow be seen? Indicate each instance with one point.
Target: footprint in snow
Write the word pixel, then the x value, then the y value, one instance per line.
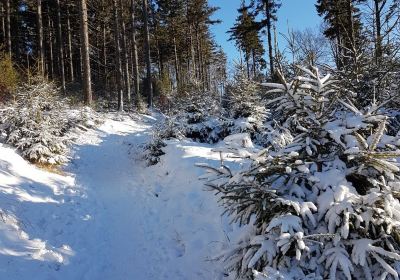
pixel 179 246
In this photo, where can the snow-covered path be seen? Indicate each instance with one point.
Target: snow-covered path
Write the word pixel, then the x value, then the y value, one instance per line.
pixel 113 217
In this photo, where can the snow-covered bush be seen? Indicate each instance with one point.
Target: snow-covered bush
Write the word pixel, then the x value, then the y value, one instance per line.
pixel 200 115
pixel 38 121
pixel 324 204
pixel 153 150
pixel 196 116
pixel 245 110
pixel 165 130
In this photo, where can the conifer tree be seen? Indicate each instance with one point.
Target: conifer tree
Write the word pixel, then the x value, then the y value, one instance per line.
pixel 87 88
pixel 247 38
pixel 344 26
pixel 149 86
pixel 40 37
pixel 322 205
pixel 269 9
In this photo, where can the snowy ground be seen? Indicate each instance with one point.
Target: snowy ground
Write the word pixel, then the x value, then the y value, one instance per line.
pixel 109 216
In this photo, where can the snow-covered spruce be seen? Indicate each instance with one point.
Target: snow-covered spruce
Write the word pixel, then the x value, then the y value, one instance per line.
pixel 205 117
pixel 38 122
pixel 245 109
pixel 153 150
pixel 325 205
pixel 196 116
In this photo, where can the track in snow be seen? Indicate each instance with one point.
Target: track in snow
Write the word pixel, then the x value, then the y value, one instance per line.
pixel 123 220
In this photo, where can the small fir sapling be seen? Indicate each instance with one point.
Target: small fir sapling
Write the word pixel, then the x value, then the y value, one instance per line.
pixel 245 109
pixel 324 204
pixel 205 117
pixel 38 122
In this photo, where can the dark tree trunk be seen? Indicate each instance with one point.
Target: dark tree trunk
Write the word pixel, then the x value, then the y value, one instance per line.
pixel 202 69
pixel 104 54
pixel 177 74
pixel 50 44
pixel 125 60
pixel 352 35
pixel 254 63
pixel 149 86
pixel 192 53
pixel 3 23
pixel 87 85
pixel 40 37
pixel 160 60
pixel 199 57
pixel 269 38
pixel 340 54
pixel 246 56
pixel 378 43
pixel 70 54
pixel 15 27
pixel 60 46
pixel 8 28
pixel 135 55
pixel 118 63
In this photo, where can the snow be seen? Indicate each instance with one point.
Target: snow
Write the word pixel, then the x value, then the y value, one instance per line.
pixel 108 215
pixel 241 140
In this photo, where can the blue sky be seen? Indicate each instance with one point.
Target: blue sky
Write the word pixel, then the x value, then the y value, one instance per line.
pixel 295 14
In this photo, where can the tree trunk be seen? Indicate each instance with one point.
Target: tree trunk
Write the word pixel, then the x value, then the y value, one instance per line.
pixel 149 86
pixel 70 55
pixel 254 64
pixel 160 60
pixel 177 75
pixel 199 57
pixel 269 38
pixel 8 28
pixel 125 59
pixel 338 35
pixel 40 37
pixel 352 34
pixel 3 23
pixel 135 55
pixel 246 56
pixel 16 31
pixel 51 54
pixel 28 67
pixel 60 46
pixel 192 54
pixel 87 85
pixel 378 29
pixel 118 63
pixel 104 54
pixel 202 69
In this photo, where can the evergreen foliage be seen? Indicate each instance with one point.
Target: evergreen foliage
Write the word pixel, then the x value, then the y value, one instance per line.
pixel 8 77
pixel 38 123
pixel 49 39
pixel 245 109
pixel 325 204
pixel 246 35
pixel 206 117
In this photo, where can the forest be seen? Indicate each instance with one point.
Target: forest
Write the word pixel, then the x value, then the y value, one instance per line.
pixel 135 144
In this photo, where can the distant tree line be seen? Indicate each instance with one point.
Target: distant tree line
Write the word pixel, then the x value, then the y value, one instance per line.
pixel 123 49
pixel 359 38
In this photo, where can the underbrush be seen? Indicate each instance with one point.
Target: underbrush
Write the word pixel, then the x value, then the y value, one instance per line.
pixel 321 201
pixel 206 117
pixel 8 77
pixel 39 120
pixel 318 197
